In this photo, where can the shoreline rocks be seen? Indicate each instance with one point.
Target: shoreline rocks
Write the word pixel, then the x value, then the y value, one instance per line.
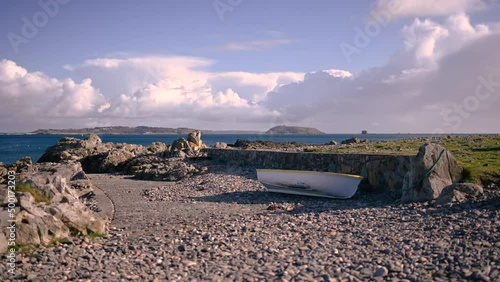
pixel 49 203
pixel 157 161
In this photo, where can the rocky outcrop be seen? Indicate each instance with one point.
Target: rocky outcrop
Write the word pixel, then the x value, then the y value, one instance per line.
pixel 163 169
pixel 443 170
pixel 49 204
pixel 96 156
pixel 157 161
pixel 195 138
pixel 191 147
pixel 69 148
pixel 112 160
pixel 157 147
pixel 353 140
pixel 458 192
pixel 267 145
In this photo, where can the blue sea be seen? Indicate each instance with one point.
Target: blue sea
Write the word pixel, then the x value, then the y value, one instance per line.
pixel 14 147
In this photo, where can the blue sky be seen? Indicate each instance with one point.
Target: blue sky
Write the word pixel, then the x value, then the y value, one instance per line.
pixel 93 29
pixel 255 64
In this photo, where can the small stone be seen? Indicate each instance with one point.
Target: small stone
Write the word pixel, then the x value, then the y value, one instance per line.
pixel 381 271
pixel 189 263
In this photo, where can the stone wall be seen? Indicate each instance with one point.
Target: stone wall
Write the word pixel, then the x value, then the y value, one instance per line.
pixel 381 172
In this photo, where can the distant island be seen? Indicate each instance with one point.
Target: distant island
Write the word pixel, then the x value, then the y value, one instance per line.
pixel 282 129
pixel 136 130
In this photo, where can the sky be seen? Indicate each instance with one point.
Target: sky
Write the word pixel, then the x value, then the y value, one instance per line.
pixel 386 66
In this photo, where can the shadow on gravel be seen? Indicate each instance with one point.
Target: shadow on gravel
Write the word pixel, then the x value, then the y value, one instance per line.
pixel 492 203
pixel 300 204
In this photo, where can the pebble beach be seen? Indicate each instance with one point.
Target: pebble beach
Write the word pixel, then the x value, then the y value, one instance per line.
pixel 223 226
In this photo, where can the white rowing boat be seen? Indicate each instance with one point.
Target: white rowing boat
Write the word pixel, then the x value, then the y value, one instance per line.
pixel 309 183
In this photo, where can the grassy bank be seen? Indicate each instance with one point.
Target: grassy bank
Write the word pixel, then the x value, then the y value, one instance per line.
pixel 478 155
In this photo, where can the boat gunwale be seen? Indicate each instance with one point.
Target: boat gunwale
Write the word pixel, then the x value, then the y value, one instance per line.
pixel 310 172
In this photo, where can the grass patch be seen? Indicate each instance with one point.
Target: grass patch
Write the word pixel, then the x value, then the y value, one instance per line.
pixel 93 235
pixel 39 197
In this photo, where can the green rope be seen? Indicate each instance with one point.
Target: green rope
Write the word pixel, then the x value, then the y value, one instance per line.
pixel 430 170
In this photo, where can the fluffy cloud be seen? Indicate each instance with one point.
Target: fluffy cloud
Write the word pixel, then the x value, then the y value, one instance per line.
pixel 429 41
pixel 181 88
pixel 447 79
pixel 422 8
pixel 33 96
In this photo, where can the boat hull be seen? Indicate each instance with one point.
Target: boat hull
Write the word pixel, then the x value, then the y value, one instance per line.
pixel 309 183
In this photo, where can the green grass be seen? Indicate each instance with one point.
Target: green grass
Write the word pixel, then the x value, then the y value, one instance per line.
pixel 39 198
pixel 26 249
pixel 93 235
pixel 478 155
pixel 312 149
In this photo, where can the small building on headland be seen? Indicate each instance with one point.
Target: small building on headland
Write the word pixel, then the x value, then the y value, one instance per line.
pixel 364 132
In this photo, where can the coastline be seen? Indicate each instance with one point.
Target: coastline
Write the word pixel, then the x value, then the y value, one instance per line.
pixel 215 221
pixel 13 147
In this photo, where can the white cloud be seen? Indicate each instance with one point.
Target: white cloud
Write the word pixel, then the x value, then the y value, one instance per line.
pixel 33 97
pixel 338 73
pixel 252 86
pixel 181 88
pixel 426 8
pixel 256 45
pixel 429 40
pixel 435 89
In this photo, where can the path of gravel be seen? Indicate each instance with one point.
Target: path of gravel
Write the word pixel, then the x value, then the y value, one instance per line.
pixel 224 226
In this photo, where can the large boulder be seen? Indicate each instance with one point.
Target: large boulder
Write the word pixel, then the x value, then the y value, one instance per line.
pixel 75 149
pixel 458 192
pixel 48 203
pixel 419 187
